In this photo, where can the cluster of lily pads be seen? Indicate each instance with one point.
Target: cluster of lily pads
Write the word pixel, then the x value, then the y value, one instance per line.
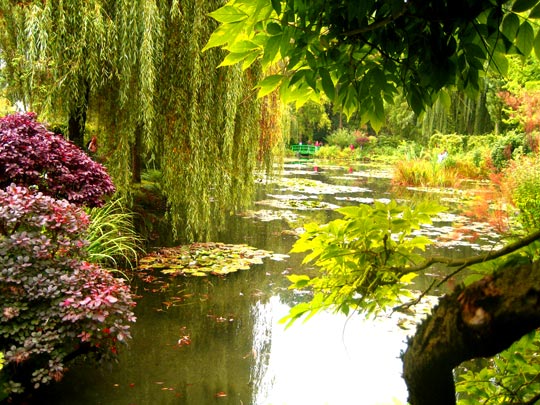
pixel 203 259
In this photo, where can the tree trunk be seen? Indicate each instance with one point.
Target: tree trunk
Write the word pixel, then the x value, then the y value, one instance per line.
pixel 136 156
pixel 77 120
pixel 480 320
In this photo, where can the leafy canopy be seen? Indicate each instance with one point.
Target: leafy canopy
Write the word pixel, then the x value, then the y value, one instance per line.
pixel 359 53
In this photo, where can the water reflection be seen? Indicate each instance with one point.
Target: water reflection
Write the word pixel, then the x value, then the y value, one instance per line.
pixel 330 359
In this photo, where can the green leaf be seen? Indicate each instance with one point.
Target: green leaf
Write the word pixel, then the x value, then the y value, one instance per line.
pixel 408 278
pixel 419 242
pixel 226 33
pixel 415 100
pixel 523 5
pixel 499 62
pixel 234 58
pixel 276 5
pixel 535 12
pixel 353 211
pixel 525 38
pixel 269 84
pixel 219 37
pixel 510 26
pixel 252 57
pixel 243 46
pixel 537 45
pixel 445 99
pixel 273 28
pixel 327 84
pixel 228 14
pixel 298 281
pixel 271 50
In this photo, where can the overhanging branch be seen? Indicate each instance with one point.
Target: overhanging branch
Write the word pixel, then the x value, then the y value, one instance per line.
pixel 469 261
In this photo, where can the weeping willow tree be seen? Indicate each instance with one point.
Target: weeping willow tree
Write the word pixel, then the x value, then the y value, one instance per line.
pixel 135 70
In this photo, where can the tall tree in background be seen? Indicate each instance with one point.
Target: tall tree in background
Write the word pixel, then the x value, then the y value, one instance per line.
pixel 134 69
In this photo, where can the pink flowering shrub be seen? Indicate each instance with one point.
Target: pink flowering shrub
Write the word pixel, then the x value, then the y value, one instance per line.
pixel 52 302
pixel 30 155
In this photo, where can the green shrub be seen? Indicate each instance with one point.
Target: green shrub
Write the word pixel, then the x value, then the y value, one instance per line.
pixel 508 147
pixel 480 141
pixel 55 304
pixel 521 183
pixel 453 143
pixel 342 137
pixel 328 152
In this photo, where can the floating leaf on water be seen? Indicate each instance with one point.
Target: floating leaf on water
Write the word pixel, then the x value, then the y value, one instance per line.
pixel 201 259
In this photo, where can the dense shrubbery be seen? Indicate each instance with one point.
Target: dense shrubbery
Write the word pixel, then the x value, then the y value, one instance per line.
pixel 507 148
pixel 453 143
pixel 521 184
pixel 53 302
pixel 342 138
pixel 32 155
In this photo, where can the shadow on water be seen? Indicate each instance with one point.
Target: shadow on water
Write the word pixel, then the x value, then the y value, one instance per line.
pixel 218 340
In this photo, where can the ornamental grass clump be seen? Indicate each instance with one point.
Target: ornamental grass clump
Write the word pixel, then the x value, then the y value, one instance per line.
pixel 54 303
pixel 112 238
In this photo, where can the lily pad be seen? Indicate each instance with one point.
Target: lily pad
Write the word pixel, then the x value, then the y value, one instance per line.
pixel 202 259
pixel 316 187
pixel 305 205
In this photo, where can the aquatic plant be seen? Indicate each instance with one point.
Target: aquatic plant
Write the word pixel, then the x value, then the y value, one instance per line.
pixel 202 259
pixel 421 172
pixel 32 156
pixel 55 304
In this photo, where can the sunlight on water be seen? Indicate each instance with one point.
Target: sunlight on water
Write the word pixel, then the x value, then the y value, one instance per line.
pixel 330 359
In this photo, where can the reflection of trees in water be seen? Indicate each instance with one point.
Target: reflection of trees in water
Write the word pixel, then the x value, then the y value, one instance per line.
pixel 261 380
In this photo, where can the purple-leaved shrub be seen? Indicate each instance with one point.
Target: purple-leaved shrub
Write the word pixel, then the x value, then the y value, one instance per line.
pixel 53 302
pixel 30 155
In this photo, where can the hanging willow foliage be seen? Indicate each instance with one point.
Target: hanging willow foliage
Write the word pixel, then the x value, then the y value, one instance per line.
pixel 135 70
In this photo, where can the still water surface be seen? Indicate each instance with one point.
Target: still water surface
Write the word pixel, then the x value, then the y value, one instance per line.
pixel 219 341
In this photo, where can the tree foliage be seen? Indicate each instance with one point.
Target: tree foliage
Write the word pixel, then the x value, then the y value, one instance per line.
pixel 358 54
pixel 365 258
pixel 134 71
pixel 32 156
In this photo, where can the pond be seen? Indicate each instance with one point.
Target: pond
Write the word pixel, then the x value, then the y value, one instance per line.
pixel 218 340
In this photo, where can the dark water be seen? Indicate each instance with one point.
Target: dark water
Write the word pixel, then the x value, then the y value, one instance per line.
pixel 238 352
